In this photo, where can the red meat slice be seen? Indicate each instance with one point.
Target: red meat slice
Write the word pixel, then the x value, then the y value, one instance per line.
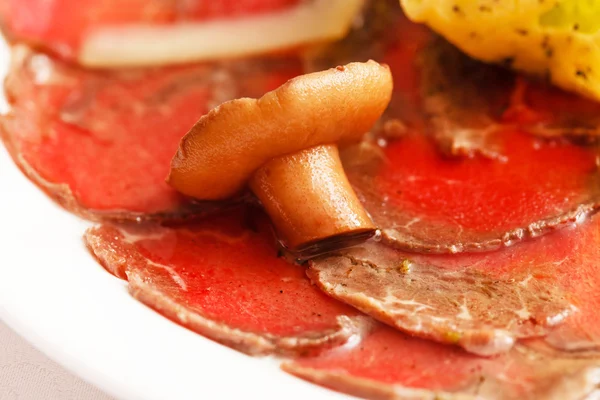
pixel 389 365
pixel 226 281
pixel 60 25
pixel 101 143
pixel 483 302
pixel 426 202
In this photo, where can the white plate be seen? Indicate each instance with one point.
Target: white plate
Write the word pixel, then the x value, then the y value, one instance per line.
pixel 56 296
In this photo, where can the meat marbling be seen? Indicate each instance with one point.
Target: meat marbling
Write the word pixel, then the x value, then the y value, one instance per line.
pixel 482 302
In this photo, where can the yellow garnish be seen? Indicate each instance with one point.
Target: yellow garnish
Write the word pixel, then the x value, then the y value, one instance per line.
pixel 558 40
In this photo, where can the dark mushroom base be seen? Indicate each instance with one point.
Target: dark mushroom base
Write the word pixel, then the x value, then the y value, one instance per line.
pixel 331 244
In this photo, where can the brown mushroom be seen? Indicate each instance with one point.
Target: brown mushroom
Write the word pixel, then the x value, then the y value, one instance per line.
pixel 284 146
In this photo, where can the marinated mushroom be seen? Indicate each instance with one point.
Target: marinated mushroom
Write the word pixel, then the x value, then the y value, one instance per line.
pixel 284 146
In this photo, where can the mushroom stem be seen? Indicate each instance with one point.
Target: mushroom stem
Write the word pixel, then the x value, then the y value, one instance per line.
pixel 310 201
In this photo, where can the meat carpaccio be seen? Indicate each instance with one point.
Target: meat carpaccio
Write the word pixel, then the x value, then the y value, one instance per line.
pixel 482 285
pixel 100 142
pixel 223 278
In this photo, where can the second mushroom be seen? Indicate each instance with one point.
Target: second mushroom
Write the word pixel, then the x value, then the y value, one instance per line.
pixel 284 146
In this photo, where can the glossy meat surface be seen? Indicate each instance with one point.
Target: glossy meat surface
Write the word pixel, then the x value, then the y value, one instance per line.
pixel 223 278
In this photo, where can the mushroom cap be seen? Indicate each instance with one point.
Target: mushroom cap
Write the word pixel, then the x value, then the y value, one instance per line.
pixel 220 153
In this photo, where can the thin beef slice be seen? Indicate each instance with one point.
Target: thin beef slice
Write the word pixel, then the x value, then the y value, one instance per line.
pixel 426 202
pixel 226 281
pixel 486 302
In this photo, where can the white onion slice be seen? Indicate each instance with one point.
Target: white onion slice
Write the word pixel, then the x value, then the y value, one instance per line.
pixel 142 45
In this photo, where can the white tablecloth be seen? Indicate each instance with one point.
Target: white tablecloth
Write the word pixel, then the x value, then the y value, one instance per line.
pixel 27 374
